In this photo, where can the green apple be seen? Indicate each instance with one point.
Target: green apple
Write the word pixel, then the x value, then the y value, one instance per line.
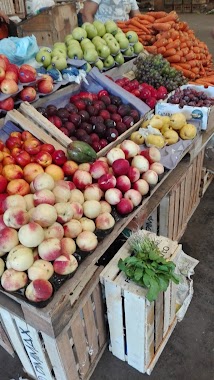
pixel 88 45
pixel 44 57
pixel 113 46
pixel 60 45
pixel 85 24
pixel 119 30
pixel 111 27
pixel 103 50
pixel 75 52
pixel 59 62
pixel 98 40
pixel 90 30
pixel 109 61
pixel 88 67
pixel 45 48
pixel 73 43
pixel 129 52
pixel 107 36
pixel 68 38
pixel 138 47
pixel 132 37
pixel 79 33
pixel 84 42
pixel 90 55
pixel 119 59
pixel 122 40
pixel 58 51
pixel 101 30
pixel 99 64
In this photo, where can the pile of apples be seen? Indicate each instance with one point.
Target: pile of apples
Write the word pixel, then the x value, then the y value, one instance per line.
pixel 96 119
pixel 14 80
pixel 169 129
pixel 98 44
pixel 143 91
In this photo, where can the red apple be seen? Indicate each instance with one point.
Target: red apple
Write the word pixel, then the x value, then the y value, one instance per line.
pixel 9 86
pixel 123 183
pixel 8 160
pixel 27 74
pixel 125 206
pixel 120 167
pixel 26 135
pixel 69 167
pixel 45 86
pixel 4 61
pixel 12 75
pixel 43 158
pixel 7 104
pixel 13 142
pixel 32 146
pixel 28 94
pixel 22 158
pixel 59 157
pixel 3 184
pixel 2 74
pixel 13 67
pixel 3 196
pixel 107 181
pixel 16 134
pixel 48 148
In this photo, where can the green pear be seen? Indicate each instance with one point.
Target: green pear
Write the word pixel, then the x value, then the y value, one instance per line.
pixel 101 30
pixel 129 52
pixel 111 27
pixel 98 40
pixel 113 46
pixel 59 62
pixel 138 47
pixel 58 51
pixel 68 38
pixel 75 53
pixel 132 37
pixel 85 24
pixel 107 36
pixel 45 48
pixel 43 57
pixel 122 40
pixel 73 43
pixel 85 41
pixel 119 30
pixel 119 59
pixel 99 64
pixel 90 55
pixel 79 33
pixel 88 45
pixel 88 67
pixel 103 50
pixel 60 45
pixel 109 61
pixel 90 30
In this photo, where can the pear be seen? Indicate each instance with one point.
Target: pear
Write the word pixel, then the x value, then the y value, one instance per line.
pixel 111 27
pixel 79 33
pixel 177 120
pixel 188 132
pixel 156 122
pixel 171 137
pixel 99 64
pixel 101 30
pixel 155 140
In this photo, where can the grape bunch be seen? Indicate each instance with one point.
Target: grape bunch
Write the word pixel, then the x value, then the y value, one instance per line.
pixel 190 97
pixel 156 71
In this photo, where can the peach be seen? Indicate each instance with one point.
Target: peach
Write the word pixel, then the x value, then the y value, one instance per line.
pixel 91 209
pixel 31 171
pixel 92 192
pixel 15 217
pixel 64 212
pixel 68 246
pixel 31 235
pixel 43 196
pixel 76 196
pixel 77 210
pixel 12 171
pixel 13 280
pixel 35 254
pixel 142 186
pixel 65 264
pixel 39 290
pixel 62 182
pixel 84 166
pixel 72 228
pixel 49 249
pixel 45 215
pixel 20 258
pixel 69 167
pixel 113 196
pixel 114 154
pixel 81 179
pixel 18 186
pixel 40 269
pixel 55 172
pixel 55 230
pixel 43 181
pixel 2 266
pixel 8 239
pixel 87 224
pixel 29 201
pixel 32 188
pixel 2 223
pixel 99 168
pixel 15 201
pixel 134 195
pixel 104 221
pixel 30 213
pixel 87 241
pixel 61 193
pixel 105 207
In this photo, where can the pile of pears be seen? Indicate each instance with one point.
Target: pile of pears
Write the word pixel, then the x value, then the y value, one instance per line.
pixel 99 44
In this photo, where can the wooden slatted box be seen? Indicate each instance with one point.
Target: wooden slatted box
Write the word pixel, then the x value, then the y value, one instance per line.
pixel 139 330
pixel 75 351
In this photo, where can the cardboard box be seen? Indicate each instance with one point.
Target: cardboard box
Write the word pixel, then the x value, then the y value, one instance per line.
pixel 200 116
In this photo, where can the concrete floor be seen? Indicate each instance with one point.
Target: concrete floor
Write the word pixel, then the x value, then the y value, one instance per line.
pixel 189 354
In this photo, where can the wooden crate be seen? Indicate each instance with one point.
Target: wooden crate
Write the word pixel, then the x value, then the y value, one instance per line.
pixel 13 7
pixel 75 351
pixel 51 25
pixel 139 330
pixel 206 180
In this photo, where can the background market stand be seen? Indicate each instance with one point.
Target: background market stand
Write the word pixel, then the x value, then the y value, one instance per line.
pixel 187 352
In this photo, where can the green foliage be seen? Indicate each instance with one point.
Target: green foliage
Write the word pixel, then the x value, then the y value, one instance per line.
pixel 148 268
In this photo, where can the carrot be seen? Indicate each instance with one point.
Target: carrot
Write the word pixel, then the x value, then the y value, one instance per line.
pixel 161 50
pixel 190 56
pixel 146 17
pixel 195 70
pixel 161 42
pixel 134 22
pixel 192 63
pixel 174 58
pixel 174 34
pixel 172 16
pixel 185 51
pixel 182 66
pixel 175 44
pixel 183 45
pixel 157 15
pixel 151 49
pixel 169 52
pixel 163 27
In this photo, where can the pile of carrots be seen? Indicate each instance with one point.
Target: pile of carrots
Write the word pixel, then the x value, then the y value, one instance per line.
pixel 163 33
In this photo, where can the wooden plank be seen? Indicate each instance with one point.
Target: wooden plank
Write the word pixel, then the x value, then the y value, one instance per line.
pixel 91 329
pixel 135 328
pixel 192 186
pixel 176 213
pixel 159 320
pixel 150 332
pixel 99 313
pixel 16 341
pixel 187 193
pixel 80 344
pixel 27 125
pixel 171 214
pixel 163 210
pixel 151 224
pixel 33 346
pixel 166 317
pixel 115 319
pixel 181 207
pixel 61 356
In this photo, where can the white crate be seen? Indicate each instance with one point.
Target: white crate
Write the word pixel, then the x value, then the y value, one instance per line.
pixel 139 330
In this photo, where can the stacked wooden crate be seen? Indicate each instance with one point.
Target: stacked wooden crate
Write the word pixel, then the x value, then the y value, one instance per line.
pixel 13 7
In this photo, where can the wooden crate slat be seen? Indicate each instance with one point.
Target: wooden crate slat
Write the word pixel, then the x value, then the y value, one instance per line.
pixel 150 332
pixel 99 312
pixel 80 344
pixel 7 7
pixel 176 213
pixel 171 214
pixel 16 341
pixel 163 211
pixel 181 209
pixel 166 319
pixel 91 329
pixel 159 319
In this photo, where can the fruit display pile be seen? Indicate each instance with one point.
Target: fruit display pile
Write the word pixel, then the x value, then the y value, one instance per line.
pixel 163 33
pixel 96 119
pixel 143 91
pixel 46 220
pixel 100 45
pixel 20 83
pixel 167 130
pixel 190 97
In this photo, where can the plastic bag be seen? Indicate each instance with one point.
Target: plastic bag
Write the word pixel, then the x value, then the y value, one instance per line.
pixel 34 6
pixel 19 50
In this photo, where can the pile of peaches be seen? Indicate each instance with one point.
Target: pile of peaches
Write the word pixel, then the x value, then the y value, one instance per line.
pixel 45 219
pixel 21 81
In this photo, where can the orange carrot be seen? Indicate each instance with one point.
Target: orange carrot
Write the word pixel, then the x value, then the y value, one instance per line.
pixel 190 56
pixel 172 16
pixel 175 44
pixel 163 27
pixel 134 22
pixel 157 15
pixel 161 42
pixel 151 49
pixel 169 52
pixel 146 17
pixel 161 50
pixel 174 58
